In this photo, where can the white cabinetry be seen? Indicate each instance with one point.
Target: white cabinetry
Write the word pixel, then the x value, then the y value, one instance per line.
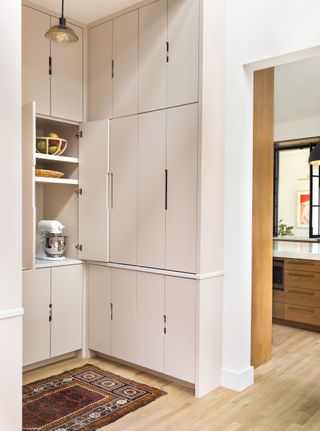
pixel 67 77
pixel 52 323
pixel 182 165
pixel 93 200
pixel 152 56
pixel 123 189
pixel 151 189
pixel 183 64
pixel 66 300
pixel 152 317
pixel 36 299
pixel 125 57
pixel 35 59
pixel 100 71
pixel 57 88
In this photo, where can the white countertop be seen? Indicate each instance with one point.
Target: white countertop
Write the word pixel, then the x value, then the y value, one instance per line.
pixel 296 250
pixel 52 263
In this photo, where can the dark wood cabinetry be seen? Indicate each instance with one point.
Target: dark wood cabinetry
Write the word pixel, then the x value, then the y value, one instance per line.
pixel 298 303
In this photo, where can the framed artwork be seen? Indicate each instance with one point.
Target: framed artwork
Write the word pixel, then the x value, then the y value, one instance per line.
pixel 303 208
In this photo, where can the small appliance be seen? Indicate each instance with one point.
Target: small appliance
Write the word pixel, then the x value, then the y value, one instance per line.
pixel 52 244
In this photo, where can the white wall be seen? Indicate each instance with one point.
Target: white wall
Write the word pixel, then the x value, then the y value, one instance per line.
pixel 10 218
pixel 256 32
pixel 293 177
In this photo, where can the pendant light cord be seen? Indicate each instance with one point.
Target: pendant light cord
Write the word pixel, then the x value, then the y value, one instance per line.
pixel 62 21
pixel 62 12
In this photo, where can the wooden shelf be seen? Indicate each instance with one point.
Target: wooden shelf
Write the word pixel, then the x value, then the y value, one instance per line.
pixel 64 159
pixel 48 180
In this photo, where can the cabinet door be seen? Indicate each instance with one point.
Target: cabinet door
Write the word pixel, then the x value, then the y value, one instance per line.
pixel 100 71
pixel 35 59
pixel 66 299
pixel 28 190
pixel 124 314
pixel 183 65
pixel 123 190
pixel 150 321
pixel 125 55
pixel 93 203
pixel 152 56
pixel 36 325
pixel 151 189
pixel 99 309
pixel 181 216
pixel 180 340
pixel 67 78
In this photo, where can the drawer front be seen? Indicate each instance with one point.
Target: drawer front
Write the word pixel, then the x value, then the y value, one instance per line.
pixel 278 295
pixel 302 265
pixel 302 279
pixel 302 314
pixel 278 310
pixel 302 296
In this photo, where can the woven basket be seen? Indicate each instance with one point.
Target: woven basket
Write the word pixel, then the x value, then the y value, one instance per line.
pixel 49 174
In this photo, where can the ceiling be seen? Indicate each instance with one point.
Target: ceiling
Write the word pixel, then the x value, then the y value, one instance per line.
pixel 86 11
pixel 297 90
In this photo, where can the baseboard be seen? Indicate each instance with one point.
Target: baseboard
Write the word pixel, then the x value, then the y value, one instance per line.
pixel 237 380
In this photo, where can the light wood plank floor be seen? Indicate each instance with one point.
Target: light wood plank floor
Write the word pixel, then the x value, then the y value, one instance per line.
pixel 285 397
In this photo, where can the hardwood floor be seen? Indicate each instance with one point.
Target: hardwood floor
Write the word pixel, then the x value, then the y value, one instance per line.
pixel 285 397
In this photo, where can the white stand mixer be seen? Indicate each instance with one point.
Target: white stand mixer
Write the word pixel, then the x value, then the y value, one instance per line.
pixel 52 243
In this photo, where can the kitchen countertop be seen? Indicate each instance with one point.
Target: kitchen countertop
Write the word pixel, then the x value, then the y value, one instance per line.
pixel 296 250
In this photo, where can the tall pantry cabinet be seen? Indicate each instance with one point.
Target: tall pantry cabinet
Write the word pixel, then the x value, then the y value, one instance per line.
pixel 165 188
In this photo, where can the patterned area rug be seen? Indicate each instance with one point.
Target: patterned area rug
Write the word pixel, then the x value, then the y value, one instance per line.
pixel 84 399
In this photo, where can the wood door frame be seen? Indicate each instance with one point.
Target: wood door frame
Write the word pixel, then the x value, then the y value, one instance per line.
pixel 261 311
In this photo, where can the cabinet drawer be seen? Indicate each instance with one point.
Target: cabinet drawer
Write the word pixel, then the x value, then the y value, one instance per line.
pixel 302 314
pixel 278 310
pixel 302 265
pixel 302 296
pixel 302 279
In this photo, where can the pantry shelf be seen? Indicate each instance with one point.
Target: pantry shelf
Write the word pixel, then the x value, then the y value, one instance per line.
pixel 50 158
pixel 48 180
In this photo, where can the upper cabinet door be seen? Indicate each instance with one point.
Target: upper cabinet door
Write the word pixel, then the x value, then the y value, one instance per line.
pixel 66 299
pixel 151 189
pixel 93 202
pixel 182 165
pixel 35 59
pixel 67 78
pixel 100 72
pixel 152 56
pixel 183 65
pixel 28 191
pixel 123 189
pixel 125 56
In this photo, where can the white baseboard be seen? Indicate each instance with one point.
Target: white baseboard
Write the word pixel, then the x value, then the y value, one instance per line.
pixel 237 380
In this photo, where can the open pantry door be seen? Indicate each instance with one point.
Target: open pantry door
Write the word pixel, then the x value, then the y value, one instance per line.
pixel 93 191
pixel 28 191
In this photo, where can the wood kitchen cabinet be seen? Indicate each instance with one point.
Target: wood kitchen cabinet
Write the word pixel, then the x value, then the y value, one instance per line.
pixel 52 323
pixel 125 64
pixel 35 59
pixel 100 71
pixel 56 89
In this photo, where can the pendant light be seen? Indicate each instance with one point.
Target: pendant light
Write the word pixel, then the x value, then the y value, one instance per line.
pixel 61 33
pixel 314 158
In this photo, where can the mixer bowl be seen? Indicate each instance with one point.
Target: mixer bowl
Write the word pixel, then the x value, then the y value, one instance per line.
pixel 55 245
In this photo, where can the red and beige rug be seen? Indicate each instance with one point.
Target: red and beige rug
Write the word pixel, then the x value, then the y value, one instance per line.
pixel 83 399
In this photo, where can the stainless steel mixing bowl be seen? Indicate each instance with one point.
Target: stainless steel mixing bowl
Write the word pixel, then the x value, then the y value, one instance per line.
pixel 55 245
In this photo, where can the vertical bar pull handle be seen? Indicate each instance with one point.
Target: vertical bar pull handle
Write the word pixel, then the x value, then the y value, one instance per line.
pixel 111 310
pixel 164 324
pixel 50 65
pixel 111 197
pixel 112 69
pixel 166 190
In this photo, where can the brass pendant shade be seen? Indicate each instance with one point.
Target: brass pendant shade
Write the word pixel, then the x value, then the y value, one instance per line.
pixel 61 33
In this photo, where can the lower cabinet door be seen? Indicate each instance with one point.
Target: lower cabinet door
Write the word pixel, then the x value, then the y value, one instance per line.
pixel 36 325
pixel 180 340
pixel 66 299
pixel 124 314
pixel 99 309
pixel 150 321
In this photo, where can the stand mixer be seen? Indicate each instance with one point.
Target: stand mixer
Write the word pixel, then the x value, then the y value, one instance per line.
pixel 52 243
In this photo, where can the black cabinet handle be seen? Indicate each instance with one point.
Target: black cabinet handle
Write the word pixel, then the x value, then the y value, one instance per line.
pixel 166 190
